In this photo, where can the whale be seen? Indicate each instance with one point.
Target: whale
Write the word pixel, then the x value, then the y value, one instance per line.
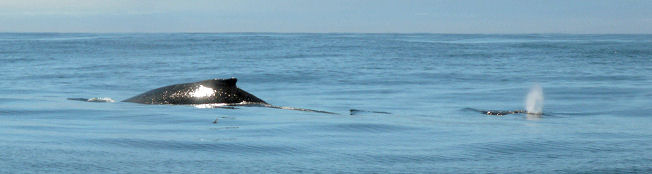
pixel 212 93
pixel 223 92
pixel 201 92
pixel 501 112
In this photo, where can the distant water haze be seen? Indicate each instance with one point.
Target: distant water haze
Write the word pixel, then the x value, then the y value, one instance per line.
pixel 362 16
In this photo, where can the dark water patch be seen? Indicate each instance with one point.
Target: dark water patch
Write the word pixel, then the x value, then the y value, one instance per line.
pixel 418 158
pixel 300 56
pixel 363 91
pixel 216 145
pixel 542 149
pixel 224 128
pixel 106 67
pixel 262 130
pixel 637 109
pixel 43 127
pixel 636 169
pixel 610 78
pixel 158 117
pixel 47 36
pixel 14 91
pixel 4 100
pixel 94 75
pixel 365 127
pixel 613 136
pixel 7 60
pixel 525 147
pixel 290 79
pixel 52 113
pixel 592 92
pixel 143 116
pixel 43 160
pixel 573 114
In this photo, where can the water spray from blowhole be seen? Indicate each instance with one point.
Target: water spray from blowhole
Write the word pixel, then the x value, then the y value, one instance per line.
pixel 534 101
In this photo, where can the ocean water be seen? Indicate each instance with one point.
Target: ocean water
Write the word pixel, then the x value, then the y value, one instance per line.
pixel 597 108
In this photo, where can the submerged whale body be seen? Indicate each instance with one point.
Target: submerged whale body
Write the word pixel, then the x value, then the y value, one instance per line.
pixel 201 92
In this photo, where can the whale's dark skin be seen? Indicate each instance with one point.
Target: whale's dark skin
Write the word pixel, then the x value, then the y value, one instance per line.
pixel 501 113
pixel 201 92
pixel 214 91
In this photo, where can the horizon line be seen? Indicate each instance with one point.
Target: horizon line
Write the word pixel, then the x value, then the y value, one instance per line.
pixel 273 32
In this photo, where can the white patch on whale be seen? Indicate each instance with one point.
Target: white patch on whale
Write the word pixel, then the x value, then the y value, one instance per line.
pixel 203 91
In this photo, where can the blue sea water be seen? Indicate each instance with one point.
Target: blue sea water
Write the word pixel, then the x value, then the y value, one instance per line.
pixel 597 90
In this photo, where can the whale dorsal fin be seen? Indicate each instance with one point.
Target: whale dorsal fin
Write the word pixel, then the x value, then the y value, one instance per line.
pixel 228 82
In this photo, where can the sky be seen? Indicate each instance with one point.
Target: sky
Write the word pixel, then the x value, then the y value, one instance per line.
pixel 326 16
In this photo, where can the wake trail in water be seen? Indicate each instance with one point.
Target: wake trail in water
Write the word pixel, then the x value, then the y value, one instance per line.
pixel 94 99
pixel 358 111
pixel 256 104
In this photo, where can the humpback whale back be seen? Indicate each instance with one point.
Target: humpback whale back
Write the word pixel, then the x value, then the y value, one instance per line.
pixel 214 91
pixel 201 92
